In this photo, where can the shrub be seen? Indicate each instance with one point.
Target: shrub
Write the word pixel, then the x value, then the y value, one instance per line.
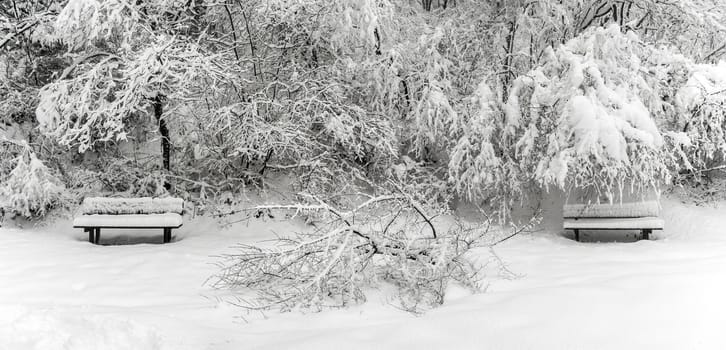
pixel 31 188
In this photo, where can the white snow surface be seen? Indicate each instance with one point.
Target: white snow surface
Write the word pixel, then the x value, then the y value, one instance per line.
pixel 59 292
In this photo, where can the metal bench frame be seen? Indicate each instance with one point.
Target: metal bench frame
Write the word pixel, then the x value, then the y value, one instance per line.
pixel 645 231
pixel 94 233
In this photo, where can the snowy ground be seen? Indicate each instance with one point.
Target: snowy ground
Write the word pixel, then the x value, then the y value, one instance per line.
pixel 57 291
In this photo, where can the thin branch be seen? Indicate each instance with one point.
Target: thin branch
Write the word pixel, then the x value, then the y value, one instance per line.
pixel 10 36
pixel 418 209
pixel 714 52
pixel 80 60
pixel 234 31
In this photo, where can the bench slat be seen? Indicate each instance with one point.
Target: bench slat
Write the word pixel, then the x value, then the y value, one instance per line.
pixel 651 223
pixel 171 220
pixel 615 210
pixel 124 206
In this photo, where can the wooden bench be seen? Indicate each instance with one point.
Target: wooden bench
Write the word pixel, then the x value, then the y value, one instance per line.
pixel 642 216
pixel 129 213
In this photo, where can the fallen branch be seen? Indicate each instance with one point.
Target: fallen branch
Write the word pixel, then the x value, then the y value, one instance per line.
pixel 334 264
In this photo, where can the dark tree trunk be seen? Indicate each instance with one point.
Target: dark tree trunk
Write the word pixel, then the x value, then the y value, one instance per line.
pixel 378 41
pixel 426 4
pixel 508 60
pixel 165 143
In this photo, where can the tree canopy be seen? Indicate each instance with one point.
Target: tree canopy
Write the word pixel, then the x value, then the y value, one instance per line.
pixel 444 99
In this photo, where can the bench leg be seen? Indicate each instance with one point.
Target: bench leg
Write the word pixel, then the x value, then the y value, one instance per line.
pixel 167 235
pixel 98 235
pixel 90 234
pixel 646 233
pixel 577 235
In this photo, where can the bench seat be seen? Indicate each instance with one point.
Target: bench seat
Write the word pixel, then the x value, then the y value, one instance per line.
pixel 642 223
pixel 167 220
pixel 614 210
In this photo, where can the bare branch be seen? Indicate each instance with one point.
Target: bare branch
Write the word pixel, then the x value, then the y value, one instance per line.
pixel 10 36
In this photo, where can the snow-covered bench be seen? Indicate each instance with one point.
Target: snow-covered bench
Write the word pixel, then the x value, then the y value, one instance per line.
pixel 641 216
pixel 129 213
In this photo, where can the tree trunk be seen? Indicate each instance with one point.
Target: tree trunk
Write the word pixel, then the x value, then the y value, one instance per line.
pixel 426 4
pixel 165 143
pixel 508 59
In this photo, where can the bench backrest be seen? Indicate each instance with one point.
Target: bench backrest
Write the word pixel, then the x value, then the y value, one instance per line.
pixel 144 205
pixel 615 210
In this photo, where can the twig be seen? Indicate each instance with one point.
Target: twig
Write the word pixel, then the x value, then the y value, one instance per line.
pixel 532 222
pixel 418 209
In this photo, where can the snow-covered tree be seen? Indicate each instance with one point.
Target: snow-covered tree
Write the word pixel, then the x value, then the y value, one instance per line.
pixel 699 124
pixel 31 188
pixel 580 119
pixel 25 66
pixel 285 94
pixel 129 60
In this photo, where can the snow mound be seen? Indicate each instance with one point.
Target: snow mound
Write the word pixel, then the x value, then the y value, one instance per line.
pixel 144 205
pixel 51 330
